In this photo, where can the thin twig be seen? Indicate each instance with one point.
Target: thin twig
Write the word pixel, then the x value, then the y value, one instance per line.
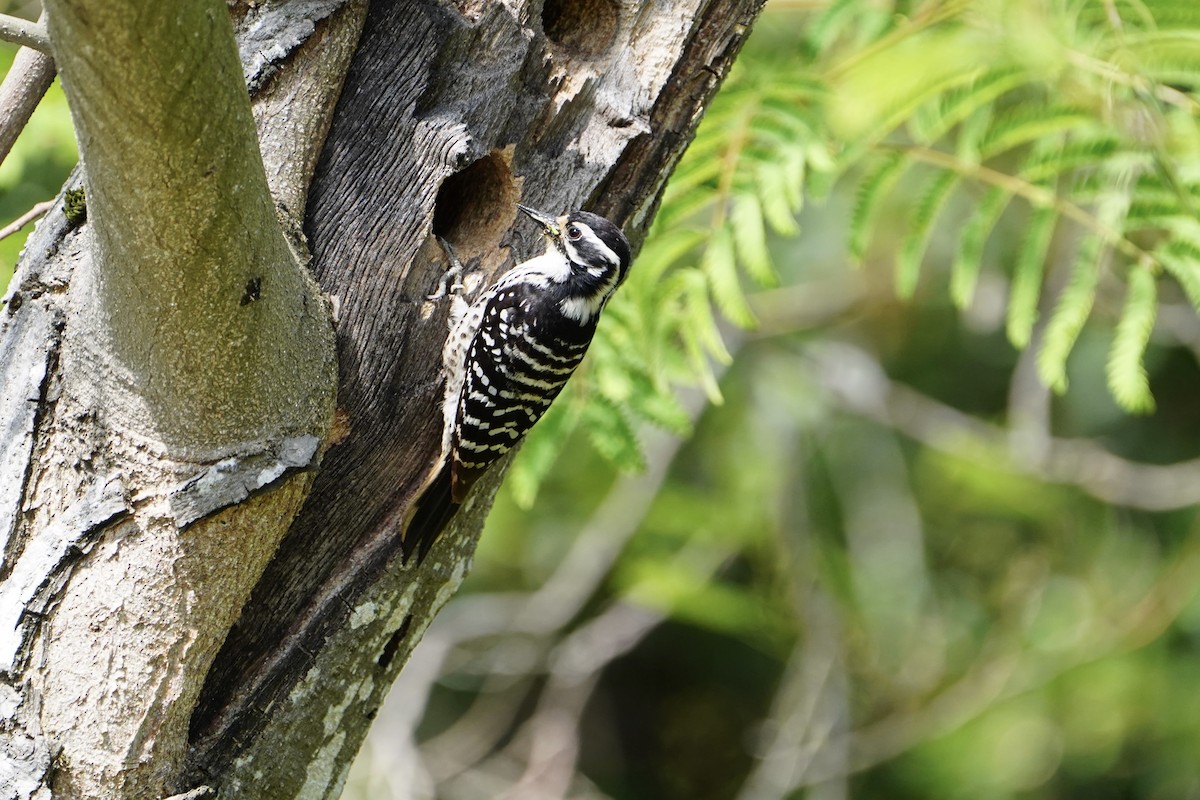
pixel 855 377
pixel 27 80
pixel 1037 196
pixel 551 736
pixel 924 19
pixel 1007 669
pixel 26 218
pixel 25 33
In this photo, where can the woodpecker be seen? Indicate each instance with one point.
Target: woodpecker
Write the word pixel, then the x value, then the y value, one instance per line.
pixel 510 352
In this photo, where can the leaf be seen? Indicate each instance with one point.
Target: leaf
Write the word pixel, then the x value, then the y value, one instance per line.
pixel 540 450
pixel 1027 123
pixel 972 133
pixel 660 406
pixel 920 224
pixel 972 101
pixel 1168 56
pixel 776 200
pixel 1126 369
pixel 794 168
pixel 750 237
pixel 1181 259
pixel 1070 313
pixel 886 86
pixel 692 174
pixel 828 25
pixel 687 210
pixel 1058 157
pixel 664 248
pixel 611 434
pixel 868 201
pixel 969 260
pixel 719 264
pixel 1027 276
pixel 698 330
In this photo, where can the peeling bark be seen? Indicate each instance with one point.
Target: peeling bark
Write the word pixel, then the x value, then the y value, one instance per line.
pixel 222 603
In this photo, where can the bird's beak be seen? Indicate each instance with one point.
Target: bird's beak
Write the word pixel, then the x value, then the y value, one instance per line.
pixel 545 220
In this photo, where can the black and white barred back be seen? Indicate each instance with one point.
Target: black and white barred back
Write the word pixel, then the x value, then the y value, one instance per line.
pixel 511 352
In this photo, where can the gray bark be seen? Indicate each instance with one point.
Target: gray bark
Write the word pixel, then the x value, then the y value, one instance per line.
pixel 202 583
pixel 27 80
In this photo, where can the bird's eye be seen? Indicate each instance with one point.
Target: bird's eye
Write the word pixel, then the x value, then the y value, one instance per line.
pixel 573 233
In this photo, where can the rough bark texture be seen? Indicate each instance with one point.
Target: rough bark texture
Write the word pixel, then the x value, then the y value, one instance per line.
pixel 161 425
pixel 450 113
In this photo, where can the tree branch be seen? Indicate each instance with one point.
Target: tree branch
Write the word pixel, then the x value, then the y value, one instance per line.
pixel 528 115
pixel 26 218
pixel 25 33
pixel 859 383
pixel 27 80
pixel 201 303
pixel 173 374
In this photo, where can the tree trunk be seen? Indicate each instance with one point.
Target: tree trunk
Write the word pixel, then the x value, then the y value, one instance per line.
pixel 202 579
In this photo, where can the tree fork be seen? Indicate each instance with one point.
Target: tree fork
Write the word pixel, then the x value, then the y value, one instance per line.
pixel 451 112
pixel 509 114
pixel 162 431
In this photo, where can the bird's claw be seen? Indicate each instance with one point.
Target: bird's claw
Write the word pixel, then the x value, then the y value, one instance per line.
pixel 451 281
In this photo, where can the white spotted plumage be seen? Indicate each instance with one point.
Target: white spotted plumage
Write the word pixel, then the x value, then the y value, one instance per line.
pixel 510 352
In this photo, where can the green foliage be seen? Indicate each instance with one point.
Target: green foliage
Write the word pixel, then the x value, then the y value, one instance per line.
pixel 1027 275
pixel 930 200
pixel 1070 313
pixel 1076 122
pixel 969 259
pixel 742 179
pixel 75 206
pixel 877 184
pixel 1085 119
pixel 1126 372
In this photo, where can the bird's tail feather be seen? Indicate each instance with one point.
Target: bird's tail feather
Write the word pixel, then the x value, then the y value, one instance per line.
pixel 433 512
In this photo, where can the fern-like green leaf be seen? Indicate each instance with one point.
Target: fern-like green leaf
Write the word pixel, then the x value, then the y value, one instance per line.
pixel 1166 56
pixel 775 196
pixel 920 227
pixel 688 209
pixel 790 119
pixel 665 248
pixel 536 458
pixel 838 16
pixel 885 87
pixel 719 264
pixel 1126 369
pixel 974 100
pixel 750 237
pixel 972 133
pixel 698 331
pixel 1027 276
pixel 794 167
pixel 1070 313
pixel 1148 211
pixel 612 435
pixel 1027 123
pixel 659 405
pixel 692 173
pixel 873 189
pixel 1058 157
pixel 1181 258
pixel 969 260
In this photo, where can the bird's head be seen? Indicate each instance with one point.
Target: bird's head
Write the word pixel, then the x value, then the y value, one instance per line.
pixel 596 249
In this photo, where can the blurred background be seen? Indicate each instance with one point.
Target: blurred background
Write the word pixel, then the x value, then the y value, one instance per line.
pixel 810 523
